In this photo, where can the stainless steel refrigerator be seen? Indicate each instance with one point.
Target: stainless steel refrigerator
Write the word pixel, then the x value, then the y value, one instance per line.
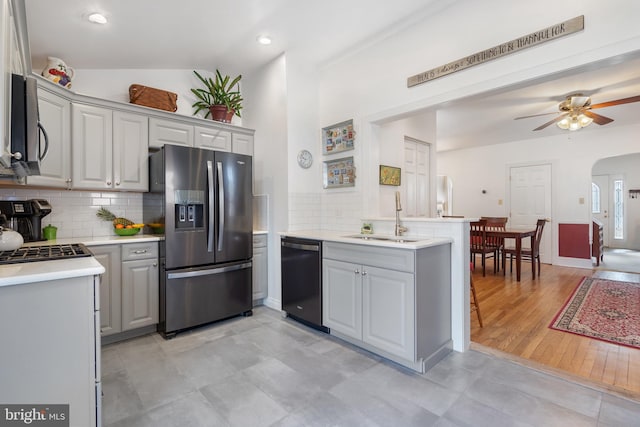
pixel 203 199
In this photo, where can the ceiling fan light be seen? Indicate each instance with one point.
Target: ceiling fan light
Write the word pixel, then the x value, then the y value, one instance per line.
pixel 584 120
pixel 574 124
pixel 563 124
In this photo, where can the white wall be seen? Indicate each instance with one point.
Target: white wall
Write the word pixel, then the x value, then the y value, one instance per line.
pixel 629 167
pixel 370 88
pixel 572 157
pixel 265 110
pixel 114 85
pixel 388 141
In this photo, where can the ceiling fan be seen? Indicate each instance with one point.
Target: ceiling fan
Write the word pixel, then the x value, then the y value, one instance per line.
pixel 575 112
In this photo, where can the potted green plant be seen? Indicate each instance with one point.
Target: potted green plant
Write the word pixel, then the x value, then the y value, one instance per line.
pixel 220 98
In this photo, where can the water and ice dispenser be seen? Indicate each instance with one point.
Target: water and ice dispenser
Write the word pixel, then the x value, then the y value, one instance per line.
pixel 189 209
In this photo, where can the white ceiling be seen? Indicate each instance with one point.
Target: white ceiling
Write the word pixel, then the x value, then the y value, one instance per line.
pixel 210 34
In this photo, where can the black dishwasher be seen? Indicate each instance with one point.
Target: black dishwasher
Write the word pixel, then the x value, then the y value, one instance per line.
pixel 301 262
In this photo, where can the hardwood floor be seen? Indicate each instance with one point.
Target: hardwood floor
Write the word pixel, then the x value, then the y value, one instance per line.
pixel 516 317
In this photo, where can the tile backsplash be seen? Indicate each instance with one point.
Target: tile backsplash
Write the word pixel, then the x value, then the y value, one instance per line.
pixel 74 212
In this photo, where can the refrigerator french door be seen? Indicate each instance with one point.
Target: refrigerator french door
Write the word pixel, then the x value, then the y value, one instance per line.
pixel 204 199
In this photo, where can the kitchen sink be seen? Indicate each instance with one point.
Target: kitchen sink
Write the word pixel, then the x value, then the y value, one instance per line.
pixel 397 239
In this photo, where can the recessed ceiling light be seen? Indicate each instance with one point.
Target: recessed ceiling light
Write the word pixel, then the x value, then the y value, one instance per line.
pixel 264 39
pixel 97 18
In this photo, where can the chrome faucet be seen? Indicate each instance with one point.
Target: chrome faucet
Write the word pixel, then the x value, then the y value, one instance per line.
pixel 399 229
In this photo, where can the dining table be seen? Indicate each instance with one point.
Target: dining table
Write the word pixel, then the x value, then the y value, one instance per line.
pixel 517 235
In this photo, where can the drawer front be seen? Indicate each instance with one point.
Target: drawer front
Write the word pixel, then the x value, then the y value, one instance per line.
pixel 260 241
pixel 132 251
pixel 392 258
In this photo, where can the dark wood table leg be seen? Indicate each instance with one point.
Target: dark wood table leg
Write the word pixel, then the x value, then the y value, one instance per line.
pixel 533 261
pixel 518 257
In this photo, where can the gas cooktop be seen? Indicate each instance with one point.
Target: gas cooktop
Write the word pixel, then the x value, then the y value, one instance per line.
pixel 44 253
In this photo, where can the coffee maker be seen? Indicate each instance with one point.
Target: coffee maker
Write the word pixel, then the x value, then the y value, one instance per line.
pixel 25 217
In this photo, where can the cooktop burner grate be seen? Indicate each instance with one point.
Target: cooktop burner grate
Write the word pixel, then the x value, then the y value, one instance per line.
pixel 44 253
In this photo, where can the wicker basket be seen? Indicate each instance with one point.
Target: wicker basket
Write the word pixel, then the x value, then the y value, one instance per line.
pixel 152 97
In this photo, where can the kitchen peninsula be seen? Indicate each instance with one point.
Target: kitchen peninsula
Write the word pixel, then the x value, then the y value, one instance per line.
pixel 388 294
pixel 49 321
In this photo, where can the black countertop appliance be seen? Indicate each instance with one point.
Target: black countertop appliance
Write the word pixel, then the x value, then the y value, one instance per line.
pixel 25 217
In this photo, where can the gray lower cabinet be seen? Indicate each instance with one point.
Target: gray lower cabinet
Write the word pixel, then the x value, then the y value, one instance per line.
pixel 394 302
pixel 140 285
pixel 260 271
pixel 129 289
pixel 110 288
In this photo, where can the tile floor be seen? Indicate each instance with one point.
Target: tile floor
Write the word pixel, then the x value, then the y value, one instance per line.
pixel 268 371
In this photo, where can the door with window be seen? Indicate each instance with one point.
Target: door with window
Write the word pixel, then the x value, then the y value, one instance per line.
pixel 600 203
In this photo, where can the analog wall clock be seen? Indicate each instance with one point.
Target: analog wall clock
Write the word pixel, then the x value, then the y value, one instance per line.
pixel 305 159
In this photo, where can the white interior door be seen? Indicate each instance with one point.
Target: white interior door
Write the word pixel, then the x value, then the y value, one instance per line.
pixel 531 200
pixel 602 181
pixel 416 181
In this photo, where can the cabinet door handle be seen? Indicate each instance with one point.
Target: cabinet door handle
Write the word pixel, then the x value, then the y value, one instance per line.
pixel 109 183
pixel 140 251
pixel 364 272
pixel 117 183
pixel 155 264
pixel 356 271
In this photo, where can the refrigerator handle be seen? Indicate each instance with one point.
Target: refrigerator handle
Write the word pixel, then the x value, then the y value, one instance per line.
pixel 211 206
pixel 221 213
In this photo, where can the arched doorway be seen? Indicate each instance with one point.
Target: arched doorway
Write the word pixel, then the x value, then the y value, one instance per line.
pixel 616 206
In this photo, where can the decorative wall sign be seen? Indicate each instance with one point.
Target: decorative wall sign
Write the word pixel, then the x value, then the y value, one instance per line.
pixel 545 35
pixel 339 173
pixel 389 175
pixel 338 137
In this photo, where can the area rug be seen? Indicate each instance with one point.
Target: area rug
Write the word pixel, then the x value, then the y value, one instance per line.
pixel 607 310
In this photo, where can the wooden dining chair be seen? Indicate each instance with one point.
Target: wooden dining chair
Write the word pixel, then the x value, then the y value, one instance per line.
pixel 498 223
pixel 478 243
pixel 527 254
pixel 474 298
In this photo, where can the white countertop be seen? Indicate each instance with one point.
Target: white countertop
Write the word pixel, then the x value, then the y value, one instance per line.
pixel 100 240
pixel 30 272
pixel 388 241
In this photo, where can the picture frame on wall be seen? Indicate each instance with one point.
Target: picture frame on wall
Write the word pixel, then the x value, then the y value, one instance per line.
pixel 339 173
pixel 338 137
pixel 390 175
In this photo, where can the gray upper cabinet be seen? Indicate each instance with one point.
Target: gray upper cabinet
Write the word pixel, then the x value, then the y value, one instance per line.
pixel 212 139
pixel 242 144
pixel 169 132
pixel 209 135
pixel 109 149
pixel 55 117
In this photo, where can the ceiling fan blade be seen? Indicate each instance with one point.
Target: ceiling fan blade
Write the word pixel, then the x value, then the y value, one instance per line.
pixel 616 102
pixel 597 118
pixel 579 101
pixel 550 122
pixel 535 115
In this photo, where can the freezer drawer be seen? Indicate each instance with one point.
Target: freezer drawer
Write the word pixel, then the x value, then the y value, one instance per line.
pixel 195 296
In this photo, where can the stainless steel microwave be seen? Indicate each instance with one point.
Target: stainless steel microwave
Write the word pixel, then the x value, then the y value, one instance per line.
pixel 27 148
